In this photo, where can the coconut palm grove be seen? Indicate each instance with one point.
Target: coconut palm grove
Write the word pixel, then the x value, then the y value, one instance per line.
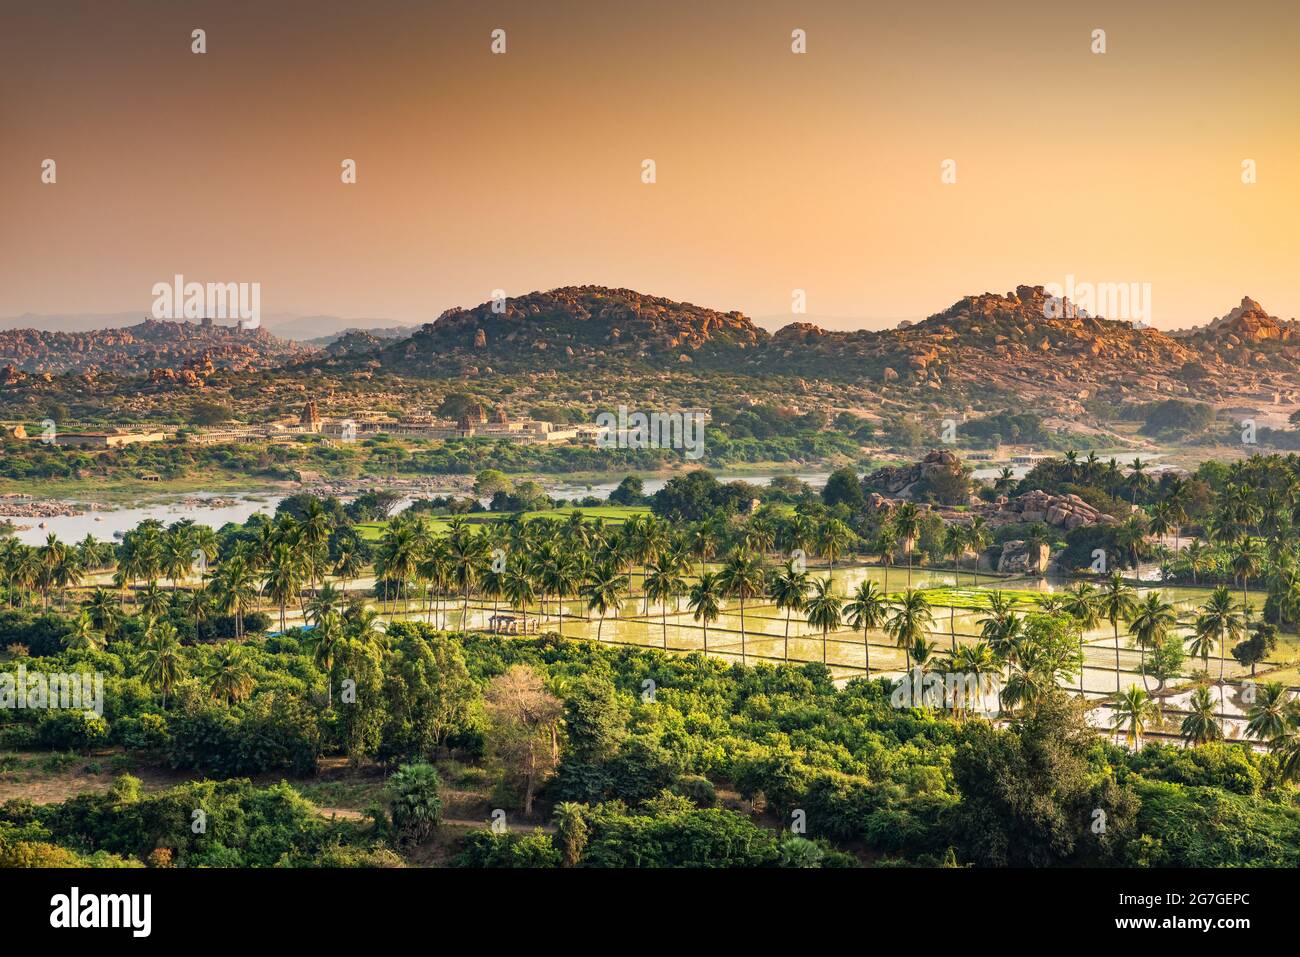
pixel 722 675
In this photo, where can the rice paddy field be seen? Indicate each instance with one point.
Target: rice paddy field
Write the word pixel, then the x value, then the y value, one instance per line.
pixel 438 524
pixel 768 635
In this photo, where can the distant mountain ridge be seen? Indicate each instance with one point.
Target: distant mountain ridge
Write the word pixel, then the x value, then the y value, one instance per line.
pixel 143 348
pixel 1019 346
pixel 307 329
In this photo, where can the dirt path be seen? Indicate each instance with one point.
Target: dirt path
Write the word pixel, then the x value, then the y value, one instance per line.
pixel 350 814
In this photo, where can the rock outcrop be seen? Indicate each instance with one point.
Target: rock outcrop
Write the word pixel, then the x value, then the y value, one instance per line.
pixel 141 349
pixel 1018 557
pixel 1060 511
pixel 898 479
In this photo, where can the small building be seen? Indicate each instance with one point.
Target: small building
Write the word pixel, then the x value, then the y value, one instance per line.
pixel 105 440
pixel 511 625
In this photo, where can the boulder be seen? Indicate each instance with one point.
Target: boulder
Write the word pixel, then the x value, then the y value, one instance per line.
pixel 1020 558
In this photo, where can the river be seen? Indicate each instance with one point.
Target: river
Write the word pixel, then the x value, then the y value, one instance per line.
pixel 105 525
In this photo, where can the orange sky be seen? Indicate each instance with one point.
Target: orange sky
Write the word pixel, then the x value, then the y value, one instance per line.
pixel 775 171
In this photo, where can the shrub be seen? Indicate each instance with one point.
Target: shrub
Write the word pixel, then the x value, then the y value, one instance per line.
pixel 72 731
pixel 487 849
pixel 416 806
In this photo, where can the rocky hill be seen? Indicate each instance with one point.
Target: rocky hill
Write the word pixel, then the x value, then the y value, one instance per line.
pixel 1018 349
pixel 982 350
pixel 147 348
pixel 1247 336
pixel 1023 346
pixel 573 324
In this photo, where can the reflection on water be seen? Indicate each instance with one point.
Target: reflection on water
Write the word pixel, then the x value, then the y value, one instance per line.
pixel 769 634
pixel 105 526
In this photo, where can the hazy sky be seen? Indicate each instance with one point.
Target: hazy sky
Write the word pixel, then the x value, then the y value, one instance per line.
pixel 522 171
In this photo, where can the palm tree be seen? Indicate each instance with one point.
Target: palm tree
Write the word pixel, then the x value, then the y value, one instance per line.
pixel 229 677
pixel 571 827
pixel 978 537
pixel 760 535
pixel 284 578
pixel 1201 726
pixel 105 611
pixel 177 555
pixel 743 577
pixel 468 561
pixel 1175 501
pixel 234 589
pixel 1217 624
pixel 702 542
pixel 604 590
pixel 1033 674
pixel 1081 605
pixel 1151 621
pixel 907 524
pixel 565 578
pixel 328 601
pixel 435 568
pixel 1136 478
pixel 154 602
pixel 1247 558
pixel 161 655
pixel 885 546
pixel 833 537
pixel 348 565
pixel 954 546
pixel 977 661
pixel 519 591
pixel 313 534
pixel 1161 522
pixel 1136 709
pixel 1271 715
pixel 705 602
pixel 1196 555
pixel 198 604
pixel 1002 630
pixel 788 587
pixel 324 641
pixel 397 559
pixel 908 621
pixel 83 634
pixel 824 610
pixel 662 582
pixel 1115 601
pixel 866 610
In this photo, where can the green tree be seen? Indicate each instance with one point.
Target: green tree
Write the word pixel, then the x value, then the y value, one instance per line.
pixel 415 803
pixel 788 589
pixel 742 577
pixel 824 610
pixel 866 609
pixel 908 620
pixel 705 602
pixel 1116 601
pixel 1201 725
